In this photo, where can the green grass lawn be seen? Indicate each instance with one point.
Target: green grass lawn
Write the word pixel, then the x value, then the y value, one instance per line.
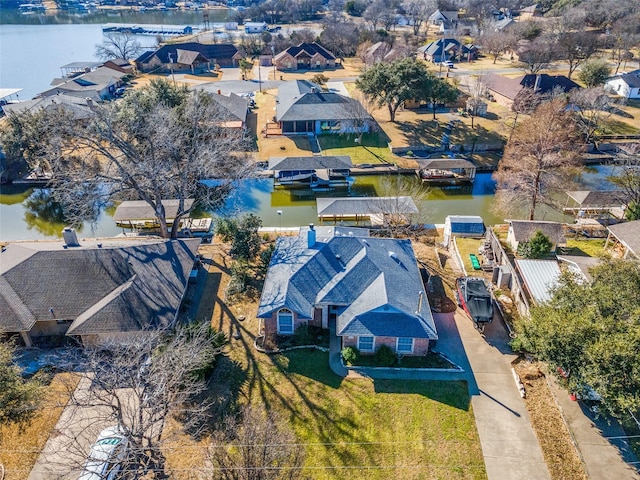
pixel 467 246
pixel 373 149
pixel 369 429
pixel 584 248
pixel 616 127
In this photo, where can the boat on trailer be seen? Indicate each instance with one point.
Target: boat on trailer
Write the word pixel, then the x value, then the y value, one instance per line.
pixel 474 298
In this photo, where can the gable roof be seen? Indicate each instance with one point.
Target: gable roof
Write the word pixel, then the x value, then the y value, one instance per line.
pixel 632 79
pixel 365 205
pixel 510 87
pixel 539 276
pixel 628 233
pixel 76 106
pixel 210 52
pixel 119 287
pixel 523 230
pixel 505 86
pixel 301 100
pixel 597 198
pixel 437 47
pixel 234 104
pixel 85 84
pixel 376 280
pixel 310 49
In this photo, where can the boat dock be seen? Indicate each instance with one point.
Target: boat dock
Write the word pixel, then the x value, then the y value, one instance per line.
pixel 149 29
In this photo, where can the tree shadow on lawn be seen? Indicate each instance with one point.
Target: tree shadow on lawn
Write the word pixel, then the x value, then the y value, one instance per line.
pixel 452 393
pixel 301 142
pixel 422 132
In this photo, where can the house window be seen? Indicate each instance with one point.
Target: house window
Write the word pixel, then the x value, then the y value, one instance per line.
pixel 330 125
pixel 366 344
pixel 404 345
pixel 285 322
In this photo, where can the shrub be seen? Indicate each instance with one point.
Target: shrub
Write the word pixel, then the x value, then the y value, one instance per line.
pixel 350 354
pixel 302 336
pixel 539 246
pixel 385 356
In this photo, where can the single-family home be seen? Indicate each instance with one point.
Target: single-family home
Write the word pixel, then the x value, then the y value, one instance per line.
pixel 77 107
pixel 366 290
pixel 99 291
pixel 445 49
pixel 523 230
pixel 384 52
pixel 255 27
pixel 304 107
pixel 98 84
pixel 463 226
pixel 502 25
pixel 504 90
pixel 190 57
pixel 306 56
pixel 624 84
pixel 233 108
pixel 438 17
pixel 626 237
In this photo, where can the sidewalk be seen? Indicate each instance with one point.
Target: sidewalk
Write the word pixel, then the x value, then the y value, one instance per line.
pixel 603 450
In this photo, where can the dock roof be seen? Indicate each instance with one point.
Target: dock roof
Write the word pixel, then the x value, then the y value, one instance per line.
pixel 7 92
pixel 141 210
pixel 365 206
pixel 628 233
pixel 444 163
pixel 597 198
pixel 310 163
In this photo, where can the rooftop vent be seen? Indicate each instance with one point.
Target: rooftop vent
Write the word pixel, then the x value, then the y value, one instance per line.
pixel 70 237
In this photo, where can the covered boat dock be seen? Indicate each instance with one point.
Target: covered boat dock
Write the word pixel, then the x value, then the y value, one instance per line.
pixel 596 204
pixel 379 210
pixel 446 171
pixel 316 172
pixel 139 215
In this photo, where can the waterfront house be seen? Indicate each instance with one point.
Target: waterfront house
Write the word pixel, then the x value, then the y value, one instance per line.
pixel 304 107
pixel 367 290
pixel 523 230
pixel 306 56
pixel 626 85
pixel 504 90
pixel 98 291
pixel 77 107
pixel 539 278
pixel 99 84
pixel 625 237
pixel 189 57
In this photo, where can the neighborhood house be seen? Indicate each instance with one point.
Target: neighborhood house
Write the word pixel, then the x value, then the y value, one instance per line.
pixel 189 57
pixel 367 290
pixel 306 56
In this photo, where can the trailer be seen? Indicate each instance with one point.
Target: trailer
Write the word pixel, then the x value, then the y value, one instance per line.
pixel 474 298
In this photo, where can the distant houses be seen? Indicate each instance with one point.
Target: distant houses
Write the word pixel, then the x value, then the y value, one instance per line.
pixel 305 56
pixel 189 57
pixel 445 49
pixel 625 84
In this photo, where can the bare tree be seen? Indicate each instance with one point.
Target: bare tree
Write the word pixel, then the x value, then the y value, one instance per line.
pixel 539 161
pixel 591 107
pixel 118 45
pixel 495 43
pixel 378 12
pixel 524 103
pixel 627 177
pixel 538 54
pixel 158 143
pixel 256 446
pixel 575 47
pixel 138 386
pixel 340 37
pixel 418 12
pixel 621 43
pixel 359 114
pixel 476 88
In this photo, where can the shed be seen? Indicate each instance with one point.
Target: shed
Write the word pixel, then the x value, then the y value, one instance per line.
pixel 463 226
pixel 524 230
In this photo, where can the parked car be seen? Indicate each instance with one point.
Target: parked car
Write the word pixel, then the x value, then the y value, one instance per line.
pixel 106 456
pixel 447 63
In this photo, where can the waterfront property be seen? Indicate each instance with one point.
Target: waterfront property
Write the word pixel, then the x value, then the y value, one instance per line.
pixel 368 290
pixel 77 107
pixel 139 215
pixel 625 237
pixel 189 57
pixel 446 171
pixel 384 211
pixel 462 226
pixel 98 84
pixel 98 291
pixel 504 90
pixel 304 107
pixel 523 230
pixel 315 172
pixel 306 56
pixel 600 204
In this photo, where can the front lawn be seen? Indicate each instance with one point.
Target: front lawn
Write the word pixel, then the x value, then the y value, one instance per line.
pixel 373 148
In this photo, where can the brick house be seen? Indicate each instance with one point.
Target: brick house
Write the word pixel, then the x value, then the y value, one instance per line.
pixel 368 290
pixel 306 56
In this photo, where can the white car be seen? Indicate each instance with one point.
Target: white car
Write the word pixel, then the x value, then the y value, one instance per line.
pixel 105 459
pixel 447 63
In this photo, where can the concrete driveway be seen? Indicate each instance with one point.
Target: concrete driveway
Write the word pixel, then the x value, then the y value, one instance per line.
pixel 509 444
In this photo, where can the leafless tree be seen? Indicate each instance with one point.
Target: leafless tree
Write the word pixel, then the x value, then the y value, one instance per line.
pixel 591 107
pixel 495 43
pixel 539 161
pixel 418 12
pixel 525 102
pixel 476 88
pixel 359 114
pixel 158 143
pixel 256 446
pixel 621 43
pixel 627 177
pixel 538 54
pixel 377 13
pixel 340 37
pixel 138 386
pixel 118 45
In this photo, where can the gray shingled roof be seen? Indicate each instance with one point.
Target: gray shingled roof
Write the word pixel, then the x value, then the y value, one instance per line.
pixel 310 163
pixel 365 205
pixel 234 104
pixel 141 210
pixel 630 78
pixel 523 230
pixel 110 289
pixel 597 198
pixel 301 100
pixel 76 106
pixel 310 49
pixel 628 233
pixel 376 280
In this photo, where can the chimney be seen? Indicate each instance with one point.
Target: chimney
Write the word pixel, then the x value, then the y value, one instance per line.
pixel 311 236
pixel 70 237
pixel 536 86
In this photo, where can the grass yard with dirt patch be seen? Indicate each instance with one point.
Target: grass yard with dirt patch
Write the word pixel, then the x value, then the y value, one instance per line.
pixel 584 247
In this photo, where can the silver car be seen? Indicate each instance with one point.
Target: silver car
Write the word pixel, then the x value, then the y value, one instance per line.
pixel 106 456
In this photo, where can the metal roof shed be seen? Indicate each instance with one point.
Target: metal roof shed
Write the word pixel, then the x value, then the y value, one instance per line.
pixel 539 277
